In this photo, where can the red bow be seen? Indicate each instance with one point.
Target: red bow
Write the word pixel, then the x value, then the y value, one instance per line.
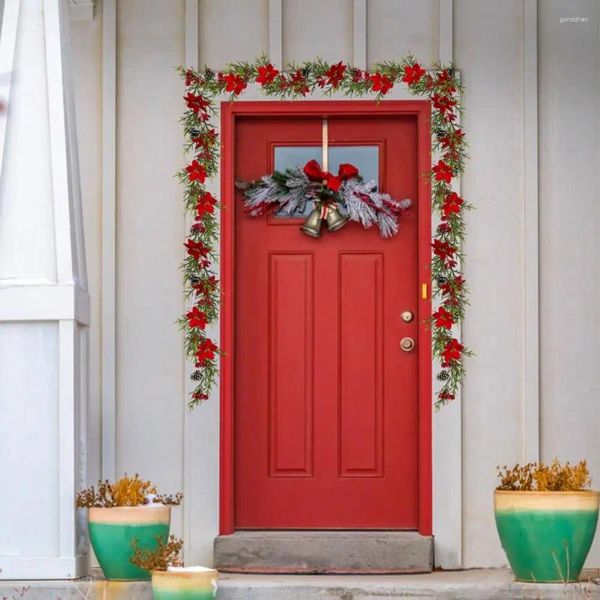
pixel 312 169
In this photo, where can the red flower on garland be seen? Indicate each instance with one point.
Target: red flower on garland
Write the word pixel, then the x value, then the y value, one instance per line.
pixel 413 74
pixel 196 172
pixel 443 103
pixel 196 249
pixel 449 288
pixel 452 351
pixel 452 139
pixel 205 286
pixel 266 74
pixel 335 74
pixel 443 249
pixel 298 82
pixel 199 396
pixel 234 83
pixel 190 78
pixel 206 139
pixel 446 396
pixel 452 205
pixel 205 205
pixel 205 352
pixel 443 172
pixel 196 318
pixel 443 318
pixel 381 83
pixel 195 102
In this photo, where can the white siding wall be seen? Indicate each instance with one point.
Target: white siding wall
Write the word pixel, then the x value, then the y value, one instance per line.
pixel 155 434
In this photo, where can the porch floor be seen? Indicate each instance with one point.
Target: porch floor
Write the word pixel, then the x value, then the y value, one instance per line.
pixel 455 585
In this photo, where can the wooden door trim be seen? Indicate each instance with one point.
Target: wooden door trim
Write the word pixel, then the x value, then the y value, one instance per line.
pixel 230 111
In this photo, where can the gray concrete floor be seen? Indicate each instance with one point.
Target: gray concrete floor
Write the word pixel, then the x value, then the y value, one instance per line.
pixel 454 585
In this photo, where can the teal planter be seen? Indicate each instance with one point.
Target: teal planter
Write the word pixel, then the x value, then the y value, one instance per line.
pixel 192 583
pixel 112 531
pixel 546 535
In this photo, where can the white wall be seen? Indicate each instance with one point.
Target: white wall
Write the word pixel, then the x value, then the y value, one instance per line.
pixel 492 44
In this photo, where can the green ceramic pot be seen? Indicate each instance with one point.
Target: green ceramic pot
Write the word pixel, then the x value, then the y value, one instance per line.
pixel 546 535
pixel 185 583
pixel 112 531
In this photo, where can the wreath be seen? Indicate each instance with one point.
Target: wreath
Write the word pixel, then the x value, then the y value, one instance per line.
pixel 287 192
pixel 441 86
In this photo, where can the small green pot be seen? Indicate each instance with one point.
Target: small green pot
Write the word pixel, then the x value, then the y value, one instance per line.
pixel 546 535
pixel 112 531
pixel 185 583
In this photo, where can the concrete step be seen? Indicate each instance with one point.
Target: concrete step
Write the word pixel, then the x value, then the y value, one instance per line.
pixel 440 585
pixel 348 552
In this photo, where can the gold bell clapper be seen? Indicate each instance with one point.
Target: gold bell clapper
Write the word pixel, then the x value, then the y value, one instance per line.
pixel 312 225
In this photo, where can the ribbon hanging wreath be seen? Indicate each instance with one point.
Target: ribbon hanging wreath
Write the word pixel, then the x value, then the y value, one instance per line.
pixel 288 192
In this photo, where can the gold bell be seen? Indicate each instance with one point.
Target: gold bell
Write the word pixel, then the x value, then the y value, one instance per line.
pixel 335 219
pixel 312 225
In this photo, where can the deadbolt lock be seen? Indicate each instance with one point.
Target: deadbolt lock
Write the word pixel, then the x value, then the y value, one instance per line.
pixel 407 344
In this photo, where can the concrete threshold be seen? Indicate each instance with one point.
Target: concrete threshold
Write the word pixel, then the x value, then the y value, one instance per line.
pixel 479 584
pixel 324 552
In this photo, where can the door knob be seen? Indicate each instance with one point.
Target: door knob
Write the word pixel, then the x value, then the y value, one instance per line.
pixel 407 316
pixel 407 344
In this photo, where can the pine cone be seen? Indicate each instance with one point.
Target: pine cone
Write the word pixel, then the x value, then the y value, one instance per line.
pixel 196 376
pixel 305 72
pixel 209 74
pixel 443 376
pixel 440 133
pixel 440 280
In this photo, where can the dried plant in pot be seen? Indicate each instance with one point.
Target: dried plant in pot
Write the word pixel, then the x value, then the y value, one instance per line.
pixel 120 512
pixel 170 579
pixel 546 517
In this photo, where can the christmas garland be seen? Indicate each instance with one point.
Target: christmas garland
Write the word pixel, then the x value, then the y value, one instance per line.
pixel 440 86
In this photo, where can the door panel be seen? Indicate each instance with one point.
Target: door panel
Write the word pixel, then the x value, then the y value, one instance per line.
pixel 325 400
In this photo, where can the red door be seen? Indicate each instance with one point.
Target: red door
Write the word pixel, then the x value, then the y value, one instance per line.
pixel 326 401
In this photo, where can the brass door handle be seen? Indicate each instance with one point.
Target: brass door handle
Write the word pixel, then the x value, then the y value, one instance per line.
pixel 407 344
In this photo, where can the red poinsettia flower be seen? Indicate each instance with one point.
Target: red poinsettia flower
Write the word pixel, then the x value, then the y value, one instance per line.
pixel 452 351
pixel 450 287
pixel 234 83
pixel 443 228
pixel 196 102
pixel 443 103
pixel 381 83
pixel 335 74
pixel 413 74
pixel 190 78
pixel 205 286
pixel 443 172
pixel 298 82
pixel 196 249
pixel 196 318
pixel 452 204
pixel 205 352
pixel 196 172
pixel 443 318
pixel 205 205
pixel 266 74
pixel 443 249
